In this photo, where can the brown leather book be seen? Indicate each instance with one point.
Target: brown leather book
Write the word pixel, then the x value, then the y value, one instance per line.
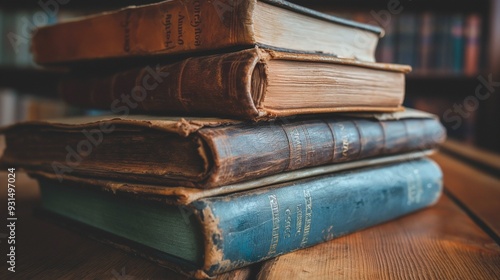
pixel 249 84
pixel 180 26
pixel 208 153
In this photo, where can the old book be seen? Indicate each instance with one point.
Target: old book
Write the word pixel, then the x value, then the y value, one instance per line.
pixel 207 153
pixel 249 84
pixel 215 234
pixel 179 26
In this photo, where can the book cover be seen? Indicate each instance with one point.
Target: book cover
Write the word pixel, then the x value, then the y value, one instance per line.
pixel 207 153
pixel 472 44
pixel 173 27
pixel 427 44
pixel 407 36
pixel 458 42
pixel 222 233
pixel 250 84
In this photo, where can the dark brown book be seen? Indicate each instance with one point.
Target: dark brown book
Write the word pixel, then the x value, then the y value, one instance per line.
pixel 250 84
pixel 179 26
pixel 208 153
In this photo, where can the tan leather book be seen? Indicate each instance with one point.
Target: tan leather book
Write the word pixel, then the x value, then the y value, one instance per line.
pixel 208 153
pixel 180 26
pixel 250 84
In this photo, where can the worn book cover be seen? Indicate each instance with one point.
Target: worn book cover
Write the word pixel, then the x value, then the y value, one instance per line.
pixel 208 153
pixel 180 26
pixel 212 233
pixel 250 84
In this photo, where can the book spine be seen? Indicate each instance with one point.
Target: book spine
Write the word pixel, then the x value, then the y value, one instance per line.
pixel 387 44
pixel 256 225
pixel 443 45
pixel 426 43
pixel 458 44
pixel 3 38
pixel 472 45
pixel 9 48
pixel 168 27
pixel 407 36
pixel 245 152
pixel 212 85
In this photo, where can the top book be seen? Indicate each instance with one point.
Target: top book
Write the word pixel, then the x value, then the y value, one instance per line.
pixel 184 26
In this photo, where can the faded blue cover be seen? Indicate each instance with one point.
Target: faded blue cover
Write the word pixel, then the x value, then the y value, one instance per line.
pixel 257 225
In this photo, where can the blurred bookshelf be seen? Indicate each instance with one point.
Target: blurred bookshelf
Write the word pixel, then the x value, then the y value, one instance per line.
pixel 452 47
pixel 449 44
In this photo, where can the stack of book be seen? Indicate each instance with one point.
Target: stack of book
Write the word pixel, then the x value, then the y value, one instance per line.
pixel 291 134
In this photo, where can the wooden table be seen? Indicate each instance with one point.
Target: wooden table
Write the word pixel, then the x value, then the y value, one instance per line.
pixel 456 239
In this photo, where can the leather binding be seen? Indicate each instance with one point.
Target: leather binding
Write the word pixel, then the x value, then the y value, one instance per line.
pixel 172 27
pixel 230 151
pixel 215 85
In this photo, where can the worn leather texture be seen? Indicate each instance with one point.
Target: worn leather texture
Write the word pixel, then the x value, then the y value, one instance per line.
pixel 185 196
pixel 168 27
pixel 215 85
pixel 233 153
pixel 164 28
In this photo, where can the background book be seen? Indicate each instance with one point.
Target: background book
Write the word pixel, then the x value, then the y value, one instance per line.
pixel 447 50
pixel 18 106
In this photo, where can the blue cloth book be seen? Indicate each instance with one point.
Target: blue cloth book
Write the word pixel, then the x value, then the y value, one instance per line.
pixel 203 233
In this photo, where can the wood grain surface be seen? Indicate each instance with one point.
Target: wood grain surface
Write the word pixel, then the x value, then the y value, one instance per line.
pixel 481 157
pixel 437 243
pixel 479 191
pixel 47 251
pixel 441 242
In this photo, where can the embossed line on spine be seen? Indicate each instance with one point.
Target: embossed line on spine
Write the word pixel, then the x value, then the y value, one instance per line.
pixel 234 31
pixel 179 86
pixel 289 158
pixel 334 140
pixel 240 99
pixel 360 140
pixel 222 170
pixel 384 137
pixel 309 149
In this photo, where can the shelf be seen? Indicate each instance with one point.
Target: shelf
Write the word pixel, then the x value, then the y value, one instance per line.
pixel 30 80
pixel 442 86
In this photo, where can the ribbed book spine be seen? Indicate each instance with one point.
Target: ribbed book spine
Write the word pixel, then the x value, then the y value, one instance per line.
pixel 245 152
pixel 256 225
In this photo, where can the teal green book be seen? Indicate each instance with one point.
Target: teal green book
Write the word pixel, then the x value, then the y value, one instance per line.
pixel 458 42
pixel 407 39
pixel 203 233
pixel 2 38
